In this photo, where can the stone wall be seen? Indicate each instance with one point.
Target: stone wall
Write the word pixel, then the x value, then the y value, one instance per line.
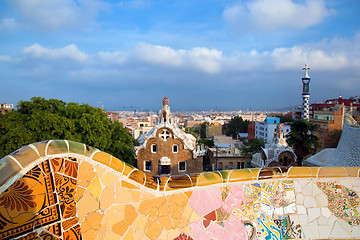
pixel 67 190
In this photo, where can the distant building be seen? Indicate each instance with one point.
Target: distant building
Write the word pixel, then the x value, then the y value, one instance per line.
pixel 166 149
pixel 276 153
pixel 226 154
pixel 328 117
pixel 253 116
pixel 266 130
pixel 5 107
pixel 213 129
pixel 251 130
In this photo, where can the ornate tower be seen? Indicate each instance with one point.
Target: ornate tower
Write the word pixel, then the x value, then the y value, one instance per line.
pixel 165 112
pixel 305 95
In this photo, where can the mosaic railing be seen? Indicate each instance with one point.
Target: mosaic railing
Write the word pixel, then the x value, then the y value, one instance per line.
pixel 67 190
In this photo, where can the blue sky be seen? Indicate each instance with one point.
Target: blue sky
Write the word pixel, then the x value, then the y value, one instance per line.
pixel 212 54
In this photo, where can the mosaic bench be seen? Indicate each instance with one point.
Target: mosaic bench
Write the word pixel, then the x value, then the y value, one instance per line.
pixel 60 189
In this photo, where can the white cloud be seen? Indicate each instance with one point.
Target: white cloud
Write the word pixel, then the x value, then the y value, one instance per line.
pixel 56 14
pixel 8 24
pixel 4 58
pixel 113 57
pixel 68 52
pixel 271 15
pixel 134 3
pixel 156 54
pixel 209 60
pixel 204 59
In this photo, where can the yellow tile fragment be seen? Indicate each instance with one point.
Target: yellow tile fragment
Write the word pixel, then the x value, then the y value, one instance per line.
pixel 86 171
pixel 95 188
pixel 110 235
pixel 194 217
pixel 139 235
pixel 108 178
pixel 135 195
pixel 107 197
pixel 164 235
pixel 130 214
pixel 188 194
pixel 94 220
pixel 146 195
pixel 102 157
pixel 85 226
pixel 99 170
pixel 122 196
pixel 89 234
pixel 103 229
pixel 128 185
pixel 120 227
pixel 87 204
pixel 140 223
pixel 129 234
pixel 186 230
pixel 173 234
pixel 79 192
pixel 154 230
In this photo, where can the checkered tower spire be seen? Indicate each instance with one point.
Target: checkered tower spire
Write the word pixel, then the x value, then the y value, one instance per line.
pixel 305 95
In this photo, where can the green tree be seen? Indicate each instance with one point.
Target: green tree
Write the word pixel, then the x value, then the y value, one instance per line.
pixel 40 119
pixel 302 139
pixel 237 125
pixel 284 119
pixel 251 146
pixel 207 142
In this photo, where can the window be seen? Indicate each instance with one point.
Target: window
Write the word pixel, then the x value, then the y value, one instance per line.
pixel 154 148
pixel 238 165
pixel 182 166
pixel 165 135
pixel 231 165
pixel 242 165
pixel 175 148
pixel 220 166
pixel 148 166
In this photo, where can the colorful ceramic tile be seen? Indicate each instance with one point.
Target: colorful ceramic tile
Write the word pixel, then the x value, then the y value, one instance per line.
pixel 342 201
pixel 57 146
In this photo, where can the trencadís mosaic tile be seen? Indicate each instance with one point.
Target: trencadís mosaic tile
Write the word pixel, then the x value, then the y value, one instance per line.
pixel 67 190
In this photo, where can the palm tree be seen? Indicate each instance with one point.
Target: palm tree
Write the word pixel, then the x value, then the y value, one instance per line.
pixel 302 139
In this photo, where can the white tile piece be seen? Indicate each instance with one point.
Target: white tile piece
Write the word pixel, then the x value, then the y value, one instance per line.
pixel 299 198
pixel 290 208
pixel 309 202
pixel 316 190
pixel 322 220
pixel 303 219
pixel 314 229
pixel 307 189
pixel 298 187
pixel 325 212
pixel 301 210
pixel 321 200
pixel 308 234
pixel 324 232
pixel 339 232
pixel 356 232
pixel 313 214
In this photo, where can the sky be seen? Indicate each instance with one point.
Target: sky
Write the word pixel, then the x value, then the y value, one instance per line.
pixel 202 55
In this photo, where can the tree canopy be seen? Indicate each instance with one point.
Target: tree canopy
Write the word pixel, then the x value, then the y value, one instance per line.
pixel 251 146
pixel 237 125
pixel 40 119
pixel 302 139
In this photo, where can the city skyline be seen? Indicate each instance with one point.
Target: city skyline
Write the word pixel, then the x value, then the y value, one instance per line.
pixel 221 55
